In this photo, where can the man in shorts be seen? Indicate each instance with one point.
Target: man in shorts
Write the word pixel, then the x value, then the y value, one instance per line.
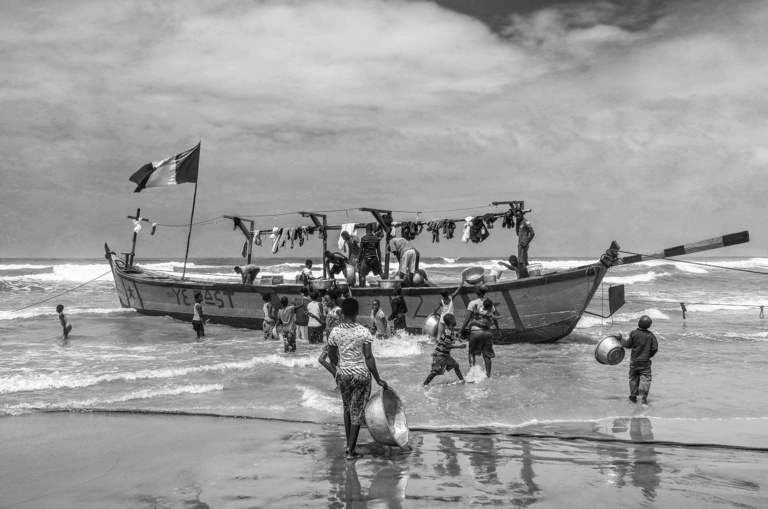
pixel 441 358
pixel 370 254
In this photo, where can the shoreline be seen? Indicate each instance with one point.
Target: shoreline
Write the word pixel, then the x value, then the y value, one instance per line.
pixel 97 459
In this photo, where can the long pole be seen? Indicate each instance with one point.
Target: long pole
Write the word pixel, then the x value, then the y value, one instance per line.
pixel 189 235
pixel 135 234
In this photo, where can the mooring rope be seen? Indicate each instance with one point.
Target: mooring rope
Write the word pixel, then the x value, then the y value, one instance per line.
pixel 420 429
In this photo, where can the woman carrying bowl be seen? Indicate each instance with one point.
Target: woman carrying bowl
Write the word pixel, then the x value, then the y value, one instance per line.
pixel 349 349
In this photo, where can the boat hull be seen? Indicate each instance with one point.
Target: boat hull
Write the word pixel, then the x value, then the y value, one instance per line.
pixel 539 309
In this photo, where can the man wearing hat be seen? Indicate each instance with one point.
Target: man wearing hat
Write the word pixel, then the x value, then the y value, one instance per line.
pixel 644 346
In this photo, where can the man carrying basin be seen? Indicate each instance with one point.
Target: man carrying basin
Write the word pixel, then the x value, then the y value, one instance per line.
pixel 349 349
pixel 644 346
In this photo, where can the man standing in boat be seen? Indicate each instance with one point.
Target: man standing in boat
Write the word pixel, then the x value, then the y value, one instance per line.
pixel 370 255
pixel 336 262
pixel 353 245
pixel 248 273
pixel 644 346
pixel 525 235
pixel 408 258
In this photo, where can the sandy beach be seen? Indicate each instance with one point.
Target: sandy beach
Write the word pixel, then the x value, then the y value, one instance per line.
pixel 99 460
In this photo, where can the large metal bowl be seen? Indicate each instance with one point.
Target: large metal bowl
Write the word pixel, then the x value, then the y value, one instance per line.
pixel 609 351
pixel 430 325
pixel 390 283
pixel 385 417
pixel 322 284
pixel 473 275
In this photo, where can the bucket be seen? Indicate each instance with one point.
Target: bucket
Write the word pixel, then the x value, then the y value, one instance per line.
pixel 609 351
pixel 473 275
pixel 534 269
pixel 497 271
pixel 385 417
pixel 430 325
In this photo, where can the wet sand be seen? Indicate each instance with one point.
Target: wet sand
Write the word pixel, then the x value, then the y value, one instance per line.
pixel 104 460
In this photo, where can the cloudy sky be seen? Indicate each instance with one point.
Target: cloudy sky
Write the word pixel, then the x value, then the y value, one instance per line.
pixel 639 121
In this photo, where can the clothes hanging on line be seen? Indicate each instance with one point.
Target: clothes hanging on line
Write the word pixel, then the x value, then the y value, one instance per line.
pixel 509 219
pixel 477 230
pixel 449 228
pixel 256 238
pixel 277 234
pixel 467 227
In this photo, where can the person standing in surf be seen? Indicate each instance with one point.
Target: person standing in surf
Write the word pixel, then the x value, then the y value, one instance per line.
pixel 353 244
pixel 399 310
pixel 333 316
pixel 644 346
pixel 316 321
pixel 198 316
pixel 287 319
pixel 66 326
pixel 441 358
pixel 379 324
pixel 270 316
pixel 349 349
pixel 445 307
pixel 481 315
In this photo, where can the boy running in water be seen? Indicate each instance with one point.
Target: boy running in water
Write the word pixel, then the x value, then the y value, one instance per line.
pixel 67 327
pixel 198 316
pixel 441 359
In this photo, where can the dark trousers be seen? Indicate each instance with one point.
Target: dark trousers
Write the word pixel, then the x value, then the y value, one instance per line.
pixel 522 254
pixel 639 378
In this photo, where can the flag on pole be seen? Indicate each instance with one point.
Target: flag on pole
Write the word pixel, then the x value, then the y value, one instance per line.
pixel 178 169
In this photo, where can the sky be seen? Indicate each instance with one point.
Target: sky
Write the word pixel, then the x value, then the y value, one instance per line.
pixel 641 121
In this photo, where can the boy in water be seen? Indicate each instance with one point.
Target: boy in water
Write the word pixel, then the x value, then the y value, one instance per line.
pixel 441 359
pixel 380 326
pixel 287 317
pixel 63 319
pixel 198 316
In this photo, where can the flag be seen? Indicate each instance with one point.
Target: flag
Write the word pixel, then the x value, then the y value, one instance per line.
pixel 178 169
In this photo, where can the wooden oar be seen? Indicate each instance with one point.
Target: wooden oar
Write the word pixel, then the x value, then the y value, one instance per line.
pixel 731 239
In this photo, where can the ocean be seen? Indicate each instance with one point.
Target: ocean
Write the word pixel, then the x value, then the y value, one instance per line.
pixel 710 366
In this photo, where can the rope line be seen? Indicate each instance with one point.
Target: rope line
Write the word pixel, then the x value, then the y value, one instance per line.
pixel 456 431
pixel 697 263
pixel 59 295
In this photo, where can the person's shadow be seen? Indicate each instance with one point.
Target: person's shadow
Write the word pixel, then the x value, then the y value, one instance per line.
pixel 386 491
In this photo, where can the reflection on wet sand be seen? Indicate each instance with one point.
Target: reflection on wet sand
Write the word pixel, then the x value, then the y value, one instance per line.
pixel 645 474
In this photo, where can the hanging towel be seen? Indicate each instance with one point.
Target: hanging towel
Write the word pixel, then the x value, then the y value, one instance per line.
pixel 277 234
pixel 256 238
pixel 467 228
pixel 349 228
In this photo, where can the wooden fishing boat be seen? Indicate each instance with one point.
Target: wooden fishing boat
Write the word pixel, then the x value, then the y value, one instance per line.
pixel 538 309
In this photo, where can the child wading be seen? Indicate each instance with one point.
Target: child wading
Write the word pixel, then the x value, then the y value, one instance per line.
pixel 441 359
pixel 67 327
pixel 270 317
pixel 287 318
pixel 198 316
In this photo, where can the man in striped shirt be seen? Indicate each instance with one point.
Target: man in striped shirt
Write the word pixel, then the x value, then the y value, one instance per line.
pixel 441 359
pixel 370 256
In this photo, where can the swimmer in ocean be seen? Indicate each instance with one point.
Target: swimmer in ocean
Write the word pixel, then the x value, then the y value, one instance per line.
pixel 63 319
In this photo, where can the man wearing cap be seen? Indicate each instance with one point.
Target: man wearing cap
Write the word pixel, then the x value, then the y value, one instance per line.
pixel 644 346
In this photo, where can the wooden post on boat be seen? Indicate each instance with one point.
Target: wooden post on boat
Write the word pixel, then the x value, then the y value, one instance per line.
pixel 323 227
pixel 378 214
pixel 248 232
pixel 129 256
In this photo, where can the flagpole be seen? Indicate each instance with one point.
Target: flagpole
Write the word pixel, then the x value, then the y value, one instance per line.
pixel 189 235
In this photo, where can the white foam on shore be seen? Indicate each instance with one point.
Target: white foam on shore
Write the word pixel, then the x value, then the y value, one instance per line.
pixel 22 408
pixel 316 400
pixel 36 382
pixel 401 344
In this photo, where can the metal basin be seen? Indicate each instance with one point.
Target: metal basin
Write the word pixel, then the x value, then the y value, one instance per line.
pixel 322 284
pixel 473 275
pixel 390 283
pixel 609 351
pixel 430 325
pixel 386 420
